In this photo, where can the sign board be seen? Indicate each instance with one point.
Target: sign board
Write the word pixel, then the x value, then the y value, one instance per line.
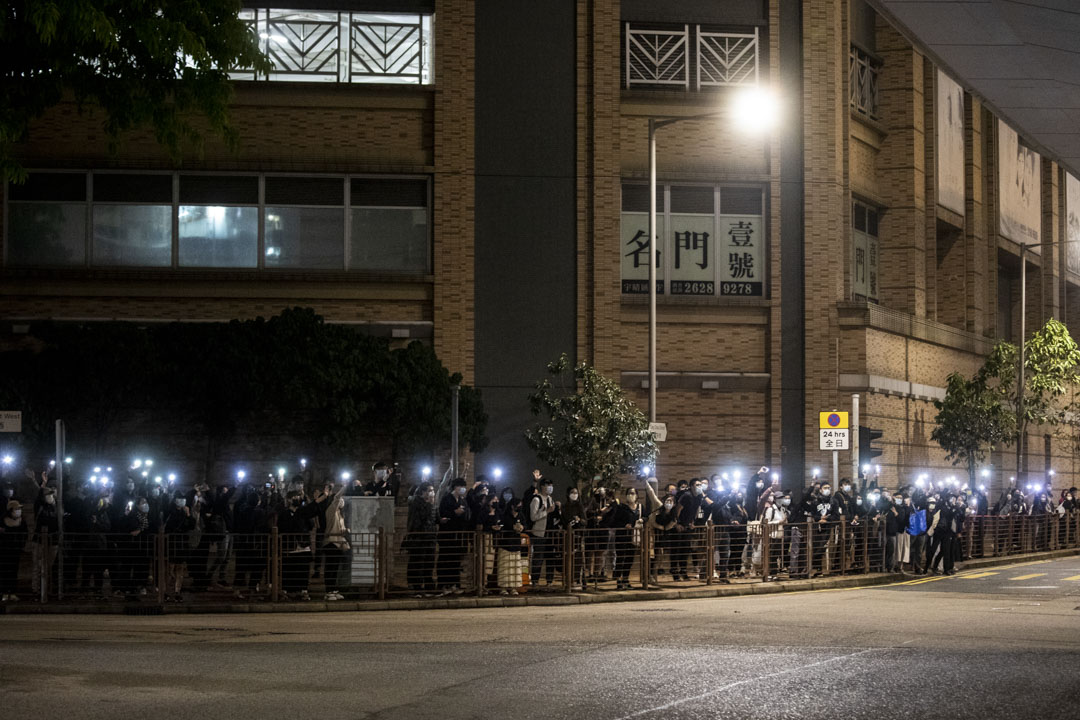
pixel 833 440
pixel 833 420
pixel 659 431
pixel 11 421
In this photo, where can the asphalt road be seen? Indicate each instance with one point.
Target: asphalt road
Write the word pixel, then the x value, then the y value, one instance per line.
pixel 976 645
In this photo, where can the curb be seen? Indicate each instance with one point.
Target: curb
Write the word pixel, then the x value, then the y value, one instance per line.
pixel 452 603
pixel 977 563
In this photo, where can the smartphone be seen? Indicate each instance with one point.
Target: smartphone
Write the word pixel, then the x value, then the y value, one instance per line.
pixel 269 485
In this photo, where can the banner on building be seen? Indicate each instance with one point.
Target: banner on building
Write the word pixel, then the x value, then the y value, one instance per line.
pixel 1072 223
pixel 635 254
pixel 1019 198
pixel 950 144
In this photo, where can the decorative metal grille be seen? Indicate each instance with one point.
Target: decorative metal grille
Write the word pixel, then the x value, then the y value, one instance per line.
pixel 726 59
pixel 657 57
pixel 379 50
pixel 341 47
pixel 302 44
pixel 863 79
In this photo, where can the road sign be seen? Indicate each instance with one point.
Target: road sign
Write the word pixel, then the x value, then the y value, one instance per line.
pixel 833 440
pixel 833 420
pixel 659 431
pixel 11 421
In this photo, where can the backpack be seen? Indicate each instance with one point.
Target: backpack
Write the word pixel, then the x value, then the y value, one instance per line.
pixel 917 523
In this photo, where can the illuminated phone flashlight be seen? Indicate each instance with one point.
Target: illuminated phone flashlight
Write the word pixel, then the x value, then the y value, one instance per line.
pixel 982 488
pixel 346 476
pixel 148 462
pixel 52 463
pixel 816 473
pixel 303 463
pixel 96 469
pixel 172 478
pixel 877 469
pixel 985 473
pixel 737 475
pixel 136 464
pixel 281 473
pixel 776 477
pixel 426 471
pixel 93 479
pixel 146 473
pixel 240 475
pixel 69 460
pixel 497 472
pixel 866 469
pixel 157 479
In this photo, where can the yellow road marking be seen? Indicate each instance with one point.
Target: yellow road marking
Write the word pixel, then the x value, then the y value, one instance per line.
pixel 976 576
pixel 1074 577
pixel 1027 577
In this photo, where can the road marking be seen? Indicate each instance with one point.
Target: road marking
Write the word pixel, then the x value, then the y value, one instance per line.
pixel 1035 587
pixel 976 576
pixel 1027 577
pixel 1073 578
pixel 702 696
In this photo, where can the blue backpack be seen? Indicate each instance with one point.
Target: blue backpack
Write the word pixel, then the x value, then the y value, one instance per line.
pixel 917 523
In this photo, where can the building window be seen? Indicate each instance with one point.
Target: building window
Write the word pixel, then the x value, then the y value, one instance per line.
pixel 691 57
pixel 258 222
pixel 46 221
pixel 863 71
pixel 866 252
pixel 343 47
pixel 712 240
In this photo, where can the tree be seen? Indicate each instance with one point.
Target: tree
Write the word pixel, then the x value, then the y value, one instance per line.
pixel 979 413
pixel 143 64
pixel 976 414
pixel 593 431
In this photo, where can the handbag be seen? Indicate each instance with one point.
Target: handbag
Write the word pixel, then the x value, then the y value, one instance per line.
pixel 917 523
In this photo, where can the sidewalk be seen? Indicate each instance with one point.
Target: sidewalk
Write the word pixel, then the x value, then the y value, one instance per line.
pixel 493 601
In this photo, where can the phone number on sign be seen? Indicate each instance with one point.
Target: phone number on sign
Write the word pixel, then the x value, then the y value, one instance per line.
pixel 738 288
pixel 690 287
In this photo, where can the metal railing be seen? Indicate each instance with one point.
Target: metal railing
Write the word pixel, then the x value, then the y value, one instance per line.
pixel 664 58
pixel 200 567
pixel 343 47
pixel 863 80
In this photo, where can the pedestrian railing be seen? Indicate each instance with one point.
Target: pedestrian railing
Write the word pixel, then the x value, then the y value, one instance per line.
pixel 204 567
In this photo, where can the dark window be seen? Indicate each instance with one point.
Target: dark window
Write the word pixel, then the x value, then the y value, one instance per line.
pixel 740 201
pixel 219 190
pixel 133 188
pixel 692 199
pixel 380 192
pixel 304 191
pixel 635 198
pixel 61 187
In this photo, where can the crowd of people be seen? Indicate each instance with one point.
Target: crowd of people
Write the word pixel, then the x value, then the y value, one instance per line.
pixel 110 531
pixel 758 529
pixel 754 528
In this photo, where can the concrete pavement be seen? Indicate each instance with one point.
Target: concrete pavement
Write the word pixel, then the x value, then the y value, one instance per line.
pixel 906 651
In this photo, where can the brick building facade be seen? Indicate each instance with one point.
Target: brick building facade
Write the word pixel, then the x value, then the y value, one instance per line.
pixel 528 136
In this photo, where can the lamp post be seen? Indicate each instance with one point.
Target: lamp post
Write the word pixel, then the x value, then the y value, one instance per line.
pixel 756 108
pixel 1021 426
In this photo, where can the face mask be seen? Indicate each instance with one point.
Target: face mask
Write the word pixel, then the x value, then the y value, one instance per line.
pixel 785 502
pixel 899 501
pixel 144 508
pixel 826 492
pixel 858 501
pixel 507 497
pixel 17 514
pixel 483 492
pixel 546 489
pixel 697 489
pixel 760 484
pixel 131 487
pixel 669 505
pixel 430 495
pixel 932 505
pixel 631 499
pixel 180 502
pixel 573 496
pixel 461 492
pixel 845 488
pixel 381 475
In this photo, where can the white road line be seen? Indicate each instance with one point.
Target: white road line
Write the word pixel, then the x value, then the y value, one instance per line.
pixel 676 703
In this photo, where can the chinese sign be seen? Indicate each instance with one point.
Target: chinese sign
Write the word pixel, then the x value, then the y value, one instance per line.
pixel 700 254
pixel 635 254
pixel 833 440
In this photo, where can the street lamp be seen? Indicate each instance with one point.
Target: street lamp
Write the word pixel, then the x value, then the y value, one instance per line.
pixel 756 110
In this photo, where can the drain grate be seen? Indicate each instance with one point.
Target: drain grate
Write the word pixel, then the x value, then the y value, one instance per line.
pixel 144 610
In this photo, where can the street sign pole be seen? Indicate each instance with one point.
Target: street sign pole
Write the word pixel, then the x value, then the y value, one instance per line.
pixel 855 437
pixel 61 453
pixel 835 470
